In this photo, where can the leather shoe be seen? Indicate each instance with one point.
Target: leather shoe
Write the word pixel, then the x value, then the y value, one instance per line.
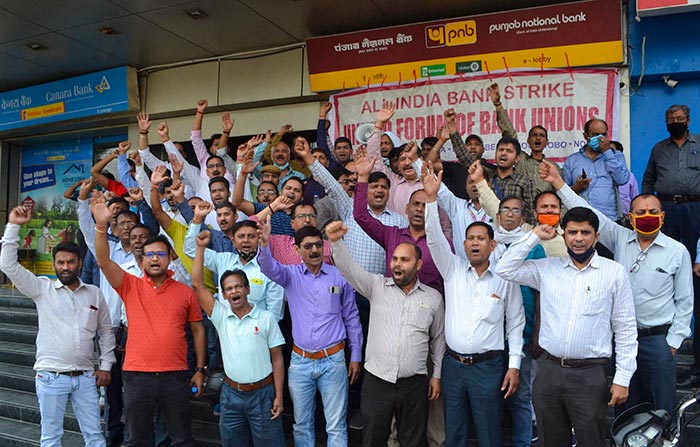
pixel 692 381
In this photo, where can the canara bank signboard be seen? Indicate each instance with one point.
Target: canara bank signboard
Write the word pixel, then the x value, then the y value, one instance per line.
pixel 660 7
pixel 101 93
pixel 560 36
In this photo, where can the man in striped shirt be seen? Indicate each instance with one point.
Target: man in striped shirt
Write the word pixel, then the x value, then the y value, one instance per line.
pixel 585 301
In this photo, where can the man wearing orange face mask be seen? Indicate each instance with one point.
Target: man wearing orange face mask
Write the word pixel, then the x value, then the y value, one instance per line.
pixel 660 273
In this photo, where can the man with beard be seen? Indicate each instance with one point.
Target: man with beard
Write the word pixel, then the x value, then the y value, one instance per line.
pixel 585 303
pixel 264 293
pixel 661 277
pixel 138 236
pixel 326 209
pixel 71 315
pixel 324 315
pixel 226 217
pixel 673 173
pixel 473 366
pixel 396 382
pixel 342 146
pixel 529 164
pixel 157 307
pixel 251 348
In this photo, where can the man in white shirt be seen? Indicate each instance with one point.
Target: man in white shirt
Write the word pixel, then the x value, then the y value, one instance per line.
pixel 585 301
pixel 71 314
pixel 477 301
pixel 660 274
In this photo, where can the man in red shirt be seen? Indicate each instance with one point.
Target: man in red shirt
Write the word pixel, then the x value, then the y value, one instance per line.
pixel 155 371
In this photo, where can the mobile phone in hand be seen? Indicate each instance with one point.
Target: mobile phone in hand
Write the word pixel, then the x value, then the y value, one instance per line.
pixel 583 174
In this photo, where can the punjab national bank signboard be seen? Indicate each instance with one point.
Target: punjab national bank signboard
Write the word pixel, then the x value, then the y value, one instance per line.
pixel 568 35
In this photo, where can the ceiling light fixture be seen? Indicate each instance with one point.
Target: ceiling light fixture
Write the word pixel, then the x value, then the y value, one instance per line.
pixel 197 14
pixel 36 46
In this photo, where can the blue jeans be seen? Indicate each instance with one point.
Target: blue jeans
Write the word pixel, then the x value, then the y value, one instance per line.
pixel 329 375
pixel 655 378
pixel 521 405
pixel 476 389
pixel 53 391
pixel 246 413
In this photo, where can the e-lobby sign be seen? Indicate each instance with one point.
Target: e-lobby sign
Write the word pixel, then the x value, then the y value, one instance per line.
pixel 560 100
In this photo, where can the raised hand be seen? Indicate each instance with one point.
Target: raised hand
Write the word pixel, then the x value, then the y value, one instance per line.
pixel 431 182
pixel 285 129
pixel 175 164
pixel 450 120
pixel 581 184
pixel 411 150
pixel 325 108
pixel 144 123
pixel 495 92
pixel 363 163
pixel 136 157
pixel 545 232
pixel 444 132
pixel 158 175
pixel 476 171
pixel 201 211
pixel 336 230
pixel 202 105
pixel 281 203
pixel 247 165
pixel 99 210
pixel 226 122
pixel 386 112
pixel 255 141
pixel 124 146
pixel 136 193
pixel 303 151
pixel 178 190
pixel 203 238
pixel 163 131
pixel 268 136
pixel 550 174
pixel 264 231
pixel 20 215
pixel 87 186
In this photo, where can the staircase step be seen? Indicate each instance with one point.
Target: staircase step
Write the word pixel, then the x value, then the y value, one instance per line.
pixel 14 433
pixel 24 407
pixel 16 301
pixel 18 333
pixel 17 377
pixel 18 353
pixel 19 315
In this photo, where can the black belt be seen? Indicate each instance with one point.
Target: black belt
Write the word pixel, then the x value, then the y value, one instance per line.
pixel 70 373
pixel 679 198
pixel 650 331
pixel 575 363
pixel 470 359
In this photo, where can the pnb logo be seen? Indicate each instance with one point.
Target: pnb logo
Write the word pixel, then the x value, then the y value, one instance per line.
pixel 451 34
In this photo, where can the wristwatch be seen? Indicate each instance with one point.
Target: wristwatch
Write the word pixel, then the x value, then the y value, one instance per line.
pixel 201 369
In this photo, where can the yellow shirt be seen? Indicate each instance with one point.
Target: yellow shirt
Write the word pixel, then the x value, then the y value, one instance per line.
pixel 177 233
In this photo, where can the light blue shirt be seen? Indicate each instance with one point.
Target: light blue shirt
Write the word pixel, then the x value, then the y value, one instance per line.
pixel 662 287
pixel 246 342
pixel 264 292
pixel 606 168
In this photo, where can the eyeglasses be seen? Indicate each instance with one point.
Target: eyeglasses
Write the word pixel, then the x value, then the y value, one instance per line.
pixel 160 254
pixel 215 165
pixel 306 216
pixel 506 210
pixel 310 245
pixel 640 258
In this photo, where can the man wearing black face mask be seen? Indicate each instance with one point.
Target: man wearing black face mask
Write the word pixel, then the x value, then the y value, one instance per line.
pixel 673 173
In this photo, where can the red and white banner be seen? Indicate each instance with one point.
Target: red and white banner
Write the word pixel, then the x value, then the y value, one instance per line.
pixel 560 100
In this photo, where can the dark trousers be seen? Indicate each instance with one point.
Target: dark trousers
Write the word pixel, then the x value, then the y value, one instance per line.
pixel 115 402
pixel 570 397
pixel 474 389
pixel 682 223
pixel 655 378
pixel 407 399
pixel 355 391
pixel 169 391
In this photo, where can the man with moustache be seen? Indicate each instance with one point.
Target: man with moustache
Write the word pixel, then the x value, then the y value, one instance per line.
pixel 264 293
pixel 473 365
pixel 324 315
pixel 251 348
pixel 660 273
pixel 71 315
pixel 157 307
pixel 396 382
pixel 585 302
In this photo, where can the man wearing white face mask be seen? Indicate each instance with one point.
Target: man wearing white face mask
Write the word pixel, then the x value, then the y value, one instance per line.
pixel 596 170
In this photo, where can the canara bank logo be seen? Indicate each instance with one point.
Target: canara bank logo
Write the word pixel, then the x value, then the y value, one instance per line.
pixel 451 34
pixel 103 85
